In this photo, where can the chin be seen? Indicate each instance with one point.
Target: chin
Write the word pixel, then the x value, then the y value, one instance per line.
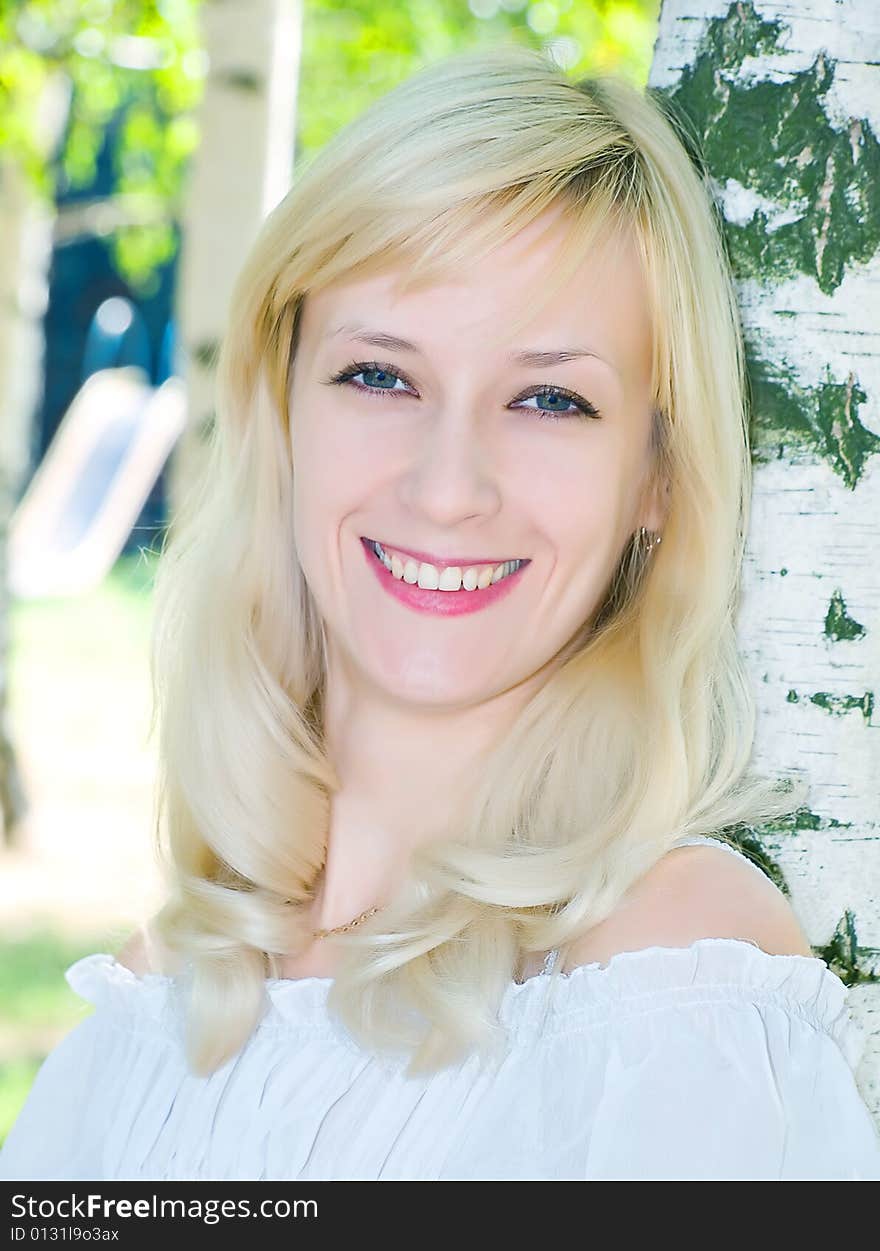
pixel 430 684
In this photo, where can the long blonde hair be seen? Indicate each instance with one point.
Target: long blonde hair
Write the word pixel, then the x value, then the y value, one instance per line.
pixel 641 735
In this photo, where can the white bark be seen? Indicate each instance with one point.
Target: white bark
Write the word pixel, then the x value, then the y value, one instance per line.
pixel 240 171
pixel 25 252
pixel 25 249
pixel 806 520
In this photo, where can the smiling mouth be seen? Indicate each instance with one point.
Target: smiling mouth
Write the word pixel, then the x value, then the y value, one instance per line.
pixel 430 577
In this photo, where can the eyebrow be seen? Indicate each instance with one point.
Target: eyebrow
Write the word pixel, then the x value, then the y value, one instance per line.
pixel 534 359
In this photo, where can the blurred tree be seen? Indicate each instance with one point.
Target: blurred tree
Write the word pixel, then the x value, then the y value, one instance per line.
pixel 784 101
pixel 66 67
pixel 241 169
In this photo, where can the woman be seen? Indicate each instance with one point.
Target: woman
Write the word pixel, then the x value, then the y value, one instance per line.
pixel 451 709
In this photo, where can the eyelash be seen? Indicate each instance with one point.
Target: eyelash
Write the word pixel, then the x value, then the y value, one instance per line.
pixel 346 376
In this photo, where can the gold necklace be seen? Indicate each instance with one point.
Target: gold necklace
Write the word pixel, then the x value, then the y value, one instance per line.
pixel 341 929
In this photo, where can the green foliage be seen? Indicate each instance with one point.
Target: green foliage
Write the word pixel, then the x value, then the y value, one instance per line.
pixel 145 59
pixel 139 56
pixel 355 50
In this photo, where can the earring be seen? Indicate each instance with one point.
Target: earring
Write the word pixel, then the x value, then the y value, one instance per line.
pixel 649 540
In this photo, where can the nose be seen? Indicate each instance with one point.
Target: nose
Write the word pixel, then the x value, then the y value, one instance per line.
pixel 450 478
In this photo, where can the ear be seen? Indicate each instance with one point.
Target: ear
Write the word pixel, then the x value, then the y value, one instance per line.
pixel 655 504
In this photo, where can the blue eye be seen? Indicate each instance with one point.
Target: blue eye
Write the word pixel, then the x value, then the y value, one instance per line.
pixel 380 378
pixel 557 399
pixel 376 377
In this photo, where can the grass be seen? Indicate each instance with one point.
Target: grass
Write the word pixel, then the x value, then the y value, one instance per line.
pixel 77 675
pixel 37 1008
pixel 89 635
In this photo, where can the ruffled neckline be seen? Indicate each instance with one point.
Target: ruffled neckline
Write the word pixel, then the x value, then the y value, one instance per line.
pixel 713 969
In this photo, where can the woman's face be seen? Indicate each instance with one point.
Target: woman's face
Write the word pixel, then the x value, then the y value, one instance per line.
pixel 414 429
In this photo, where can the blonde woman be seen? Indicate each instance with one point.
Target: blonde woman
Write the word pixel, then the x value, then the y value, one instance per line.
pixel 453 725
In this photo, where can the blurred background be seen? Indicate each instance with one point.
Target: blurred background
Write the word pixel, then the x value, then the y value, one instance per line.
pixel 142 142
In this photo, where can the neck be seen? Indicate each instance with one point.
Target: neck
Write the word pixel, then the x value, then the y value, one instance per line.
pixel 401 767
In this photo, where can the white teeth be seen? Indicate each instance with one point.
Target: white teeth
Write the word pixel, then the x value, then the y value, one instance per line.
pixel 449 578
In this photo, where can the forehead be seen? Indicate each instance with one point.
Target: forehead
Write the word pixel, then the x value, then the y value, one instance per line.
pixel 506 300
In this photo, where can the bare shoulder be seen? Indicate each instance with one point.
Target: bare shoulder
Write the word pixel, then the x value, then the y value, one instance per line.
pixel 695 892
pixel 143 953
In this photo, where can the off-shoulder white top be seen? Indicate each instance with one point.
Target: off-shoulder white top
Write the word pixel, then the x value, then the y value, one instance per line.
pixel 715 1061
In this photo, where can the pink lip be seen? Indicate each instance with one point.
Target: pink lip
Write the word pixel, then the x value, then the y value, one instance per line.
pixel 430 558
pixel 441 603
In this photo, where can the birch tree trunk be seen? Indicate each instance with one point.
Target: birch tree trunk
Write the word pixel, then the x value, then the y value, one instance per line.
pixel 26 221
pixel 240 171
pixel 786 101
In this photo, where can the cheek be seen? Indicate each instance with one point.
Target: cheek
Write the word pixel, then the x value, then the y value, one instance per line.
pixel 576 503
pixel 334 476
pixel 330 468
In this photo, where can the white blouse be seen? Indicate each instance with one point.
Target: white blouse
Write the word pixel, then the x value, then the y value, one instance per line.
pixel 714 1061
